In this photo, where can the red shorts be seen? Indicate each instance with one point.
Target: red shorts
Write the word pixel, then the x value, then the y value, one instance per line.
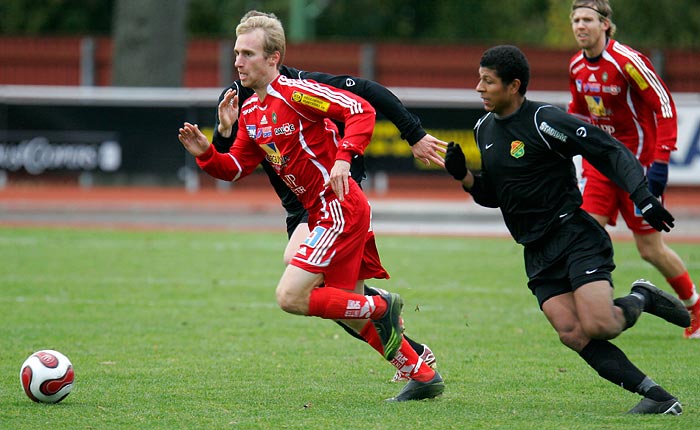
pixel 341 242
pixel 601 196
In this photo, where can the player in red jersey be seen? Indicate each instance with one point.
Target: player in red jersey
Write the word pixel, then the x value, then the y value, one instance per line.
pixel 288 123
pixel 616 88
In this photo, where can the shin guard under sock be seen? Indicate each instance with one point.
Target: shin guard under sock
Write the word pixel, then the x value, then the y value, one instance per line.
pixel 336 304
pixel 612 364
pixel 631 307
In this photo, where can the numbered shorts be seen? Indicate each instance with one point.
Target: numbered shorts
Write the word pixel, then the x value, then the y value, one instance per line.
pixel 341 243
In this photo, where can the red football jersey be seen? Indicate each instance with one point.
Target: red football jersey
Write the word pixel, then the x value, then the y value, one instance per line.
pixel 292 130
pixel 621 93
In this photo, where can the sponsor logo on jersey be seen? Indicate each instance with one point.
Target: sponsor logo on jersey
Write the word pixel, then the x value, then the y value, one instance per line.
pixel 286 129
pixel 274 156
pixel 251 131
pixel 611 89
pixel 249 110
pixel 517 149
pixel 591 87
pixel 636 76
pixel 548 129
pixel 264 132
pixel 263 121
pixel 608 128
pixel 310 101
pixel 291 182
pixel 595 105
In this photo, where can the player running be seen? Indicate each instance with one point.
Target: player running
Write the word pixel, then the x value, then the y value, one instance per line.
pixel 288 123
pixel 616 88
pixel 527 172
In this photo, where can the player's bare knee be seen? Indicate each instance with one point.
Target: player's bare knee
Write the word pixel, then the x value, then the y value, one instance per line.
pixel 290 302
pixel 646 254
pixel 598 329
pixel 573 338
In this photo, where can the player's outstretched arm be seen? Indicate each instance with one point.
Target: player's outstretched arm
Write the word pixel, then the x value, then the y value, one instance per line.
pixel 427 149
pixel 194 141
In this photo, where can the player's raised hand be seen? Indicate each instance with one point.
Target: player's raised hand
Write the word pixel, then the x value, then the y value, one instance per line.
pixel 228 112
pixel 194 141
pixel 427 150
pixel 455 161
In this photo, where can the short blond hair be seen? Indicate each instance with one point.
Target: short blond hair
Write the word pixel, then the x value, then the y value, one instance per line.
pixel 274 39
pixel 602 7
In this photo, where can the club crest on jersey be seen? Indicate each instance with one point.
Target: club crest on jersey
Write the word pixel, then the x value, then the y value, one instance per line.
pixel 517 149
pixel 310 101
pixel 273 155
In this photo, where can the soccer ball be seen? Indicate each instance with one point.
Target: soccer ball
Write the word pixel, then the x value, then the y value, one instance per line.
pixel 47 376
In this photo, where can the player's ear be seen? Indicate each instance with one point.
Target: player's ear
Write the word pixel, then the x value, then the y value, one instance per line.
pixel 274 59
pixel 514 86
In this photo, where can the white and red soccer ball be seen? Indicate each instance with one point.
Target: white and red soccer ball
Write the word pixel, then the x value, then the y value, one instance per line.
pixel 47 376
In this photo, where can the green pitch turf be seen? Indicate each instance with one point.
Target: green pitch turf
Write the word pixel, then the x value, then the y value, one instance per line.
pixel 180 330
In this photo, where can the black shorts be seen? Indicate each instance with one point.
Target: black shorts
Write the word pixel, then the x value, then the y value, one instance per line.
pixel 293 221
pixel 578 252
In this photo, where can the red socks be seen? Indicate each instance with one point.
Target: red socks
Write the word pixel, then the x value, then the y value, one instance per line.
pixel 406 359
pixel 336 304
pixel 684 288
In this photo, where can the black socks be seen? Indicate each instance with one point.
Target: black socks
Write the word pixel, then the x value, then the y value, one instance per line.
pixel 632 306
pixel 612 364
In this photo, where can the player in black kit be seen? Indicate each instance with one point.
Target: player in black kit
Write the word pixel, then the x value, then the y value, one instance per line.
pixel 527 171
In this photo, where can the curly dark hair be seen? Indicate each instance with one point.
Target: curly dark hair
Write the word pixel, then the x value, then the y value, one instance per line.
pixel 510 64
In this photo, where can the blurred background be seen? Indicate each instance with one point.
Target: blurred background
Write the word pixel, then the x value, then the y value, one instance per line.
pixel 92 92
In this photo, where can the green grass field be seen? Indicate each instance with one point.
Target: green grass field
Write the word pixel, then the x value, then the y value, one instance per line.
pixel 180 330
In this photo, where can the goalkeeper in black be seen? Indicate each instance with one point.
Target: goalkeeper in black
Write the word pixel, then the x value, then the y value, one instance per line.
pixel 527 171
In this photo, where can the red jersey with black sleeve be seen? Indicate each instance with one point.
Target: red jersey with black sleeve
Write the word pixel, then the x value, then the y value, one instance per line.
pixel 620 92
pixel 291 129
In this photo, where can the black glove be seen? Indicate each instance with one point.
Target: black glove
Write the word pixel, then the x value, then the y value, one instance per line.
pixel 455 162
pixel 657 176
pixel 655 214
